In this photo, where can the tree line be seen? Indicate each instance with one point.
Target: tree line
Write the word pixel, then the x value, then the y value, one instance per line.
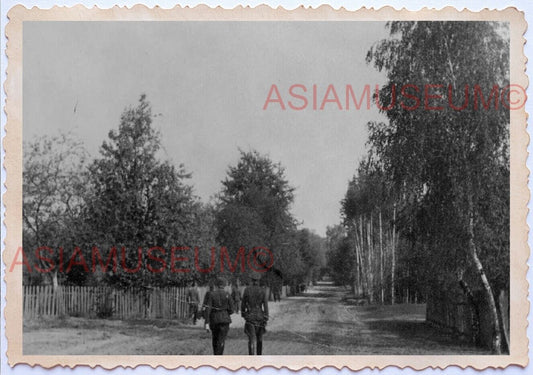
pixel 427 211
pixel 129 198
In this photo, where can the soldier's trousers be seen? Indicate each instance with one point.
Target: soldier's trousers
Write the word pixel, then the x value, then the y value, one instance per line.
pixel 193 312
pixel 219 332
pixel 255 331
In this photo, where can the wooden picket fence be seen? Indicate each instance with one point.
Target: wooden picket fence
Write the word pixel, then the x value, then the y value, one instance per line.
pixel 86 301
pixel 454 312
pixel 106 302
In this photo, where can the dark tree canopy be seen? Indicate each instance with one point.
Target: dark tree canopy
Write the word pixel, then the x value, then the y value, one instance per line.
pixel 255 193
pixel 442 161
pixel 135 199
pixel 254 210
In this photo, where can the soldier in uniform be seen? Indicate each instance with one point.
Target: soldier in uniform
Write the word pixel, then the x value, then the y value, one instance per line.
pixel 254 310
pixel 204 305
pixel 193 298
pixel 277 293
pixel 219 307
pixel 236 296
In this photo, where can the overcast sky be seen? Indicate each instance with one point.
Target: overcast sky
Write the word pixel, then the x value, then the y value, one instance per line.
pixel 210 82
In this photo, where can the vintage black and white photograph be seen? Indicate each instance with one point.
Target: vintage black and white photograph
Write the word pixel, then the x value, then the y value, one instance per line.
pixel 266 188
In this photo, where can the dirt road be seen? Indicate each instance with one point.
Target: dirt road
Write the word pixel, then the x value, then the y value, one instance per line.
pixel 317 322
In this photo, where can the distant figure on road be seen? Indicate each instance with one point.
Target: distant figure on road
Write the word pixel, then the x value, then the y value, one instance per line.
pixel 276 284
pixel 254 310
pixel 236 296
pixel 193 299
pixel 277 293
pixel 219 308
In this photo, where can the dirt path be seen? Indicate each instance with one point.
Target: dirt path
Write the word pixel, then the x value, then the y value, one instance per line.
pixel 316 322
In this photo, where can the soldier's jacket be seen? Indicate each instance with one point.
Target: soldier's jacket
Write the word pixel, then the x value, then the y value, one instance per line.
pixel 236 295
pixel 254 307
pixel 193 296
pixel 219 306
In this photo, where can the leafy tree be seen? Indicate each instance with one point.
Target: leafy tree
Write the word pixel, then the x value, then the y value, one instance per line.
pixel 318 256
pixel 339 256
pixel 311 248
pixel 241 226
pixel 254 205
pixel 202 234
pixel 450 166
pixel 54 180
pixel 137 201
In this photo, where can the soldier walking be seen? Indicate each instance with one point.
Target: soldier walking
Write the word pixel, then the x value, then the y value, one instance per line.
pixel 204 305
pixel 219 307
pixel 254 310
pixel 277 293
pixel 236 296
pixel 193 299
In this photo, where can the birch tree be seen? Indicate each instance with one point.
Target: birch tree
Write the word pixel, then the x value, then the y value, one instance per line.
pixel 451 163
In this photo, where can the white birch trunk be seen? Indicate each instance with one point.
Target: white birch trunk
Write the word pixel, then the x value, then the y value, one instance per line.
pixel 493 311
pixel 393 255
pixel 381 284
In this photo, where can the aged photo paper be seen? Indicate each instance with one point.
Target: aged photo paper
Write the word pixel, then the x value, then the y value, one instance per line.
pixel 262 187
